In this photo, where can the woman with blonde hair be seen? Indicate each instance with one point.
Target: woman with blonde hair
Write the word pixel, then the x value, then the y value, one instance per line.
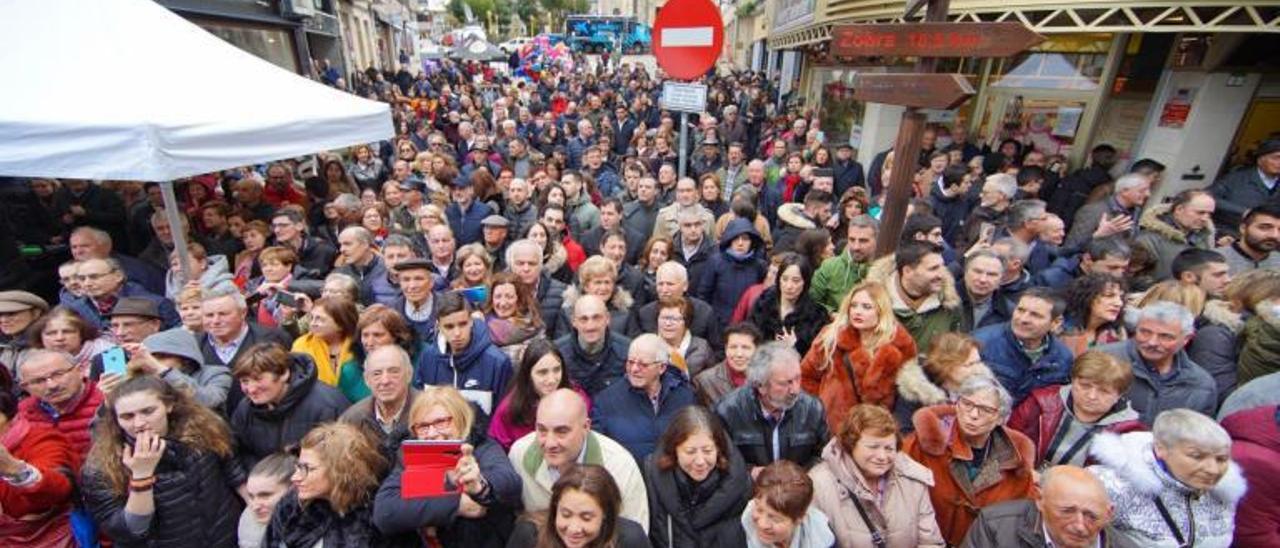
pixel 857 357
pixel 934 378
pixel 484 489
pixel 161 470
pixel 598 276
pixel 475 266
pixel 331 502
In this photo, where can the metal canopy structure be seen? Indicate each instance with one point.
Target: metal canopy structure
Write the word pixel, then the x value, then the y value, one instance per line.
pixel 1248 16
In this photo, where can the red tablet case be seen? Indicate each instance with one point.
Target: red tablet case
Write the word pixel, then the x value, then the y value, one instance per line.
pixel 425 465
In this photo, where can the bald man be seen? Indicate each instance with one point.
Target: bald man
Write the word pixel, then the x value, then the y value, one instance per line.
pixel 1073 511
pixel 593 354
pixel 562 437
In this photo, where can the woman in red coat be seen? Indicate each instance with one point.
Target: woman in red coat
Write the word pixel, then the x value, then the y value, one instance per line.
pixel 36 467
pixel 856 359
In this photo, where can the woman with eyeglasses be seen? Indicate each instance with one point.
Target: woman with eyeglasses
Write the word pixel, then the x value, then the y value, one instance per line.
pixel 976 460
pixel 331 502
pixel 480 511
pixel 162 471
pixel 690 354
pixel 933 379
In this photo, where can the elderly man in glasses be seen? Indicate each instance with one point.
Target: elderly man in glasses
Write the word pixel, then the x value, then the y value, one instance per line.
pixel 60 396
pixel 636 412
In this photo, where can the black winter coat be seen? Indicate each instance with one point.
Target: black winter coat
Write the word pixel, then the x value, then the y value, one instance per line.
pixel 550 297
pixel 394 515
pixel 630 535
pixel 294 525
pixel 676 521
pixel 260 431
pixel 801 437
pixel 195 499
pixel 594 373
pixel 726 277
pixel 807 319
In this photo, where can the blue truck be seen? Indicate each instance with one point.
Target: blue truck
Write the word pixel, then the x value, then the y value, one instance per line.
pixel 606 33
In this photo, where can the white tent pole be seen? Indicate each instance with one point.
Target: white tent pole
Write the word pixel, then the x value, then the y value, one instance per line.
pixel 175 228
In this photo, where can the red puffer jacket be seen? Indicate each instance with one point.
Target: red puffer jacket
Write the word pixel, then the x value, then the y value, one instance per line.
pixel 1040 415
pixel 36 515
pixel 74 424
pixel 1255 434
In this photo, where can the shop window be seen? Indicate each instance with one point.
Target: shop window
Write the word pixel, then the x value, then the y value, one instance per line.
pixel 1061 71
pixel 274 45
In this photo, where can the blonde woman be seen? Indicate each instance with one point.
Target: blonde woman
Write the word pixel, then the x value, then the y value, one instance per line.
pixel 856 358
pixel 331 502
pixel 598 276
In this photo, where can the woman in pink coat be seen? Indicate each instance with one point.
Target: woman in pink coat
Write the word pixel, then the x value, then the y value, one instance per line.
pixel 541 372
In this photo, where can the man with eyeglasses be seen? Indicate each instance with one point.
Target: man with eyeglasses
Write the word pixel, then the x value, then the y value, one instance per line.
pixel 315 256
pixel 92 243
pixel 594 356
pixel 60 396
pixel 1073 510
pixel 635 413
pixel 105 286
pixel 132 320
pixel 384 414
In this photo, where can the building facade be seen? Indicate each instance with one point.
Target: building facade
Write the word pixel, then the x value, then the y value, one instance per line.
pixel 1192 84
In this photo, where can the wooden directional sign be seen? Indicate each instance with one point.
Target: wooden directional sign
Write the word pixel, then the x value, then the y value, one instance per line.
pixel 940 91
pixel 933 39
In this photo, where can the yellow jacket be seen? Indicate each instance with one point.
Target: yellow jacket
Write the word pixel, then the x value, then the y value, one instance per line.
pixel 315 347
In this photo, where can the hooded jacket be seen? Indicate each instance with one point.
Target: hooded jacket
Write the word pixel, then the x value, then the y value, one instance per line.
pixel 685 515
pixel 395 515
pixel 195 501
pixel 823 373
pixel 1216 346
pixel 938 314
pixel 1255 436
pixel 812 531
pixel 1041 414
pixel 208 383
pixel 903 514
pixel 1006 473
pixel 261 430
pixel 1134 478
pixel 1260 351
pixel 792 220
pixel 216 277
pixel 627 415
pixel 727 277
pixel 480 371
pixel 916 389
pixel 1164 239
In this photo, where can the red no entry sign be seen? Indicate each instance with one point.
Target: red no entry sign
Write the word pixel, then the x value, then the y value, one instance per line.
pixel 687 37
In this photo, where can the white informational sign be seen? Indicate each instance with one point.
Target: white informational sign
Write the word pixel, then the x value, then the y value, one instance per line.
pixel 681 97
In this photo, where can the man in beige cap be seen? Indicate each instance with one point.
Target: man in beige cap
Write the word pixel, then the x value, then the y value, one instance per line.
pixel 18 310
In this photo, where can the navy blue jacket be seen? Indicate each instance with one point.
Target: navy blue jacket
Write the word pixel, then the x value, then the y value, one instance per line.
pixel 466 228
pixel 951 210
pixel 625 414
pixel 481 371
pixel 594 373
pixel 725 278
pixel 426 329
pixel 86 309
pixel 1059 274
pixel 1013 368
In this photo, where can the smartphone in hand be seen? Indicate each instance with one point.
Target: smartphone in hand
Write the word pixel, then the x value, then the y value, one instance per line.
pixel 114 361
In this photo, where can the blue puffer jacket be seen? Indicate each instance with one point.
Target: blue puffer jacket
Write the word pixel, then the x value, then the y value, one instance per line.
pixel 481 371
pixel 1059 274
pixel 725 277
pixel 625 414
pixel 1013 368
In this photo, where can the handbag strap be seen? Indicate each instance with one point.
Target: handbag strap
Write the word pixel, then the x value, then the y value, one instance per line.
pixel 1063 428
pixel 1183 542
pixel 876 537
pixel 853 379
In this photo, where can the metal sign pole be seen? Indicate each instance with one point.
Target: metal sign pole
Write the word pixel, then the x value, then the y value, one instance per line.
pixel 684 141
pixel 175 228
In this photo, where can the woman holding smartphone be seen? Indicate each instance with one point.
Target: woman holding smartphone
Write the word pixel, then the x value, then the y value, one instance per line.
pixel 482 512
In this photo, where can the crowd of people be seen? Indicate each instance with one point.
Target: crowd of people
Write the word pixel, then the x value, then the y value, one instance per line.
pixel 630 356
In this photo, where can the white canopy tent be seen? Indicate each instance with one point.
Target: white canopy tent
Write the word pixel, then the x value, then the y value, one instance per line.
pixel 126 89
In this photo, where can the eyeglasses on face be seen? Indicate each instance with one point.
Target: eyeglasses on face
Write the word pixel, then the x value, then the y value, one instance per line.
pixel 41 381
pixel 968 405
